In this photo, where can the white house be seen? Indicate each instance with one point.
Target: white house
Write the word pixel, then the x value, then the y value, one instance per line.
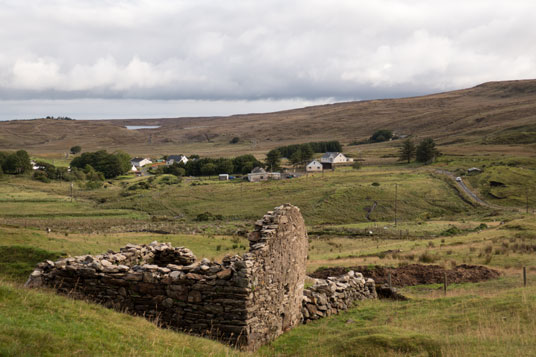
pixel 314 166
pixel 259 174
pixel 171 159
pixel 139 162
pixel 223 177
pixel 334 158
pixel 133 168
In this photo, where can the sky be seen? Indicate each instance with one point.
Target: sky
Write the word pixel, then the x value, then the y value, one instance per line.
pixel 91 59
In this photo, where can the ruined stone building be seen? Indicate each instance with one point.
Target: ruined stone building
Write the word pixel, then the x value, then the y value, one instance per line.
pixel 245 300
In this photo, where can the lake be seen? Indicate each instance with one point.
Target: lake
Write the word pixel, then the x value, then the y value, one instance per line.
pixel 137 127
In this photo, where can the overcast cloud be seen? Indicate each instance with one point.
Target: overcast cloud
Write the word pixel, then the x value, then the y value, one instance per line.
pixel 271 51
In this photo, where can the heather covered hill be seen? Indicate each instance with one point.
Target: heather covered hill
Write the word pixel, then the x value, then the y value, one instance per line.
pixel 499 113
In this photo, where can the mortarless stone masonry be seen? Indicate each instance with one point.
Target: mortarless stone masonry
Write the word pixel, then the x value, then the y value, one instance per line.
pixel 245 300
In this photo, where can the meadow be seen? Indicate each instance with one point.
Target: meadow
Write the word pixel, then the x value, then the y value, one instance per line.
pixel 435 224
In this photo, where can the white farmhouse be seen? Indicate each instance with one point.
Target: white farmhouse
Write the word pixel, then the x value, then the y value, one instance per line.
pixel 314 166
pixel 334 158
pixel 139 162
pixel 171 159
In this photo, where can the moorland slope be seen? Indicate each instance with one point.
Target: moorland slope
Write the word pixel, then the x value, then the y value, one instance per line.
pixel 490 113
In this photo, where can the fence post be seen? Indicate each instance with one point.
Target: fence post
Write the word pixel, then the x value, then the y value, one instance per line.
pixel 445 283
pixel 524 276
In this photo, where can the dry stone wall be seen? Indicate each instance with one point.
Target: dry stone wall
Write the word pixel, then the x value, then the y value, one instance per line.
pixel 334 294
pixel 245 300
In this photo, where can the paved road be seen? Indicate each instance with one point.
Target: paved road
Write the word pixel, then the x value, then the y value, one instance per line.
pixel 466 189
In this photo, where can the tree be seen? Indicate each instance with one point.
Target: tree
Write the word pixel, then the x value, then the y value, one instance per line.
pixel 124 161
pixel 111 165
pixel 407 151
pixel 356 165
pixel 306 152
pixel 175 169
pixel 381 135
pixel 224 166
pixel 296 158
pixel 273 159
pixel 208 169
pixel 76 149
pixel 17 163
pixel 426 151
pixel 234 140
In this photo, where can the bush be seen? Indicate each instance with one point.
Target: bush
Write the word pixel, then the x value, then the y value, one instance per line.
pixel 93 185
pixel 427 257
pixel 76 149
pixel 376 184
pixel 381 135
pixel 234 140
pixel 356 165
pixel 41 176
pixel 451 231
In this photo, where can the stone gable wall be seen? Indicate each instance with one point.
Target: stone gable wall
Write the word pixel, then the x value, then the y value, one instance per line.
pixel 244 300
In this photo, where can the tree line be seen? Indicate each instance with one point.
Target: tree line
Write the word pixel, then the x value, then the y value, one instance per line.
pixel 299 153
pixel 426 152
pixel 209 166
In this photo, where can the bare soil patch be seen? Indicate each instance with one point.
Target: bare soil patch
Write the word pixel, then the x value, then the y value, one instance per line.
pixel 415 274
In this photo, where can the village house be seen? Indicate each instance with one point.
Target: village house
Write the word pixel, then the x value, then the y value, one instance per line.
pixel 171 159
pixel 259 174
pixel 330 159
pixel 314 166
pixel 140 162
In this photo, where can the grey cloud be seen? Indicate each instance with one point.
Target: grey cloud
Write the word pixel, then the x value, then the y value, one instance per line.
pixel 245 50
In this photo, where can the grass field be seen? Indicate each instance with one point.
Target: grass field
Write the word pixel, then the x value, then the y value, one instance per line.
pixel 435 224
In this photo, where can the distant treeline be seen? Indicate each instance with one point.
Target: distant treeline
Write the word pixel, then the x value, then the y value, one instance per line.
pixel 209 166
pixel 110 165
pixel 316 147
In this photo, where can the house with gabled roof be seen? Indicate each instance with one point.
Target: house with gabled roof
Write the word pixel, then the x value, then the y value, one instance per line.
pixel 140 161
pixel 171 159
pixel 260 174
pixel 314 166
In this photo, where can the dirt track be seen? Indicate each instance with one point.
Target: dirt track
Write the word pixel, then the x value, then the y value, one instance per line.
pixel 415 274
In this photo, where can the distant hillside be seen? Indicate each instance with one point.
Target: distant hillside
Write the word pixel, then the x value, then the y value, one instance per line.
pixel 492 113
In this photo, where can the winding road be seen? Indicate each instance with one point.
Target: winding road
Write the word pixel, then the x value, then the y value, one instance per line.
pixel 464 187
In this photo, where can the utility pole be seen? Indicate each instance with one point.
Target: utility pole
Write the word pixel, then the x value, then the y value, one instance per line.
pixel 396 203
pixel 527 199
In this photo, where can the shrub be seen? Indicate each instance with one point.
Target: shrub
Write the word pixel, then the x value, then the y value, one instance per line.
pixel 427 257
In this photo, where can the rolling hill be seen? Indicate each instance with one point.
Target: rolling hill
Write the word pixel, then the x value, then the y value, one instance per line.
pixel 496 113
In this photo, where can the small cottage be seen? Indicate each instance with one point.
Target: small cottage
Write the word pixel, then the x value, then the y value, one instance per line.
pixel 140 162
pixel 259 174
pixel 314 166
pixel 171 159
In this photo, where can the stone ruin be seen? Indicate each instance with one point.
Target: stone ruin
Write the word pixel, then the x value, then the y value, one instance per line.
pixel 245 301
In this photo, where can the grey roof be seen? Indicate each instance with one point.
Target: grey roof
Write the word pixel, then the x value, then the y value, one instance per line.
pixel 137 159
pixel 328 155
pixel 175 157
pixel 258 170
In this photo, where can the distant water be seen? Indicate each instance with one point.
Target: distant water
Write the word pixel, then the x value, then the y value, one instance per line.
pixel 136 127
